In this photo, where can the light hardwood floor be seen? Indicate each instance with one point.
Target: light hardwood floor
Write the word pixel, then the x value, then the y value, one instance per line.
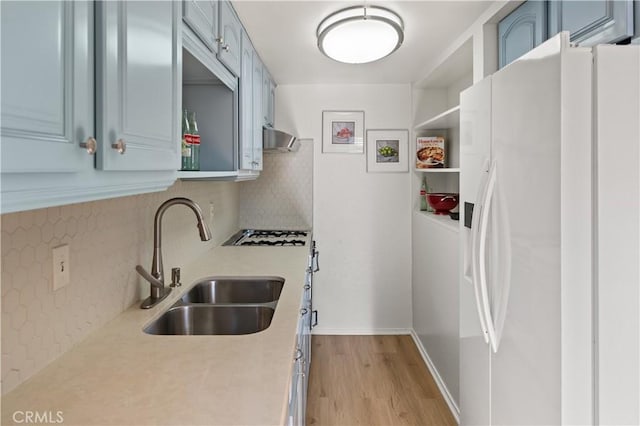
pixel 372 380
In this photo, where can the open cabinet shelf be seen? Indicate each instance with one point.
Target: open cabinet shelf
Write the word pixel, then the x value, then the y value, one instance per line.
pixel 443 170
pixel 446 120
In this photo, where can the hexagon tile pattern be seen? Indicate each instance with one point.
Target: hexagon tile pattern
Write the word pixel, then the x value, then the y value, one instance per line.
pixel 106 240
pixel 283 196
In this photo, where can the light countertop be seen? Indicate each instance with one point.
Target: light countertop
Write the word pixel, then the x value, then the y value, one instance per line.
pixel 119 375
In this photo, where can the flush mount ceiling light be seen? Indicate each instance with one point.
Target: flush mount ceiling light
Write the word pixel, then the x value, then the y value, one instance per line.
pixel 360 34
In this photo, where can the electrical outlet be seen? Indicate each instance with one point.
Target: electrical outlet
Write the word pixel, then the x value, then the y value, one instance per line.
pixel 61 266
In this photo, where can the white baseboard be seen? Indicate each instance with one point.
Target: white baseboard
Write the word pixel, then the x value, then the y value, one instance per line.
pixel 359 332
pixel 455 411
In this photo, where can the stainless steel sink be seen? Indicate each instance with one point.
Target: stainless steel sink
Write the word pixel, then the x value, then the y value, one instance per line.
pixel 235 290
pixel 212 320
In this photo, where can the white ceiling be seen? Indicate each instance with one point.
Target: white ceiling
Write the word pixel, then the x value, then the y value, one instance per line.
pixel 283 33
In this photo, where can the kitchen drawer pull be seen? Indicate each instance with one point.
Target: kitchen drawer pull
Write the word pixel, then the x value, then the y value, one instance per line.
pixel 299 354
pixel 316 257
pixel 314 322
pixel 120 146
pixel 90 145
pixel 307 287
pixel 303 311
pixel 225 47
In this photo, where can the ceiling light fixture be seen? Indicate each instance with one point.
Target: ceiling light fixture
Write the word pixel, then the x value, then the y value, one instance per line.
pixel 360 34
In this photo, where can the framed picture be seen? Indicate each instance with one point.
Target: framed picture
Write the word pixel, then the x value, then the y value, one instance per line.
pixel 387 151
pixel 343 131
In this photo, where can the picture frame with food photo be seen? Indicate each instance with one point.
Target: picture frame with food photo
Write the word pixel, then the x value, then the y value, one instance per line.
pixel 387 150
pixel 342 132
pixel 430 152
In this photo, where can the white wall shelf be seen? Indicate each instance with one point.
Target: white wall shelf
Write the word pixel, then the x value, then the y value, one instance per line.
pixel 443 170
pixel 446 120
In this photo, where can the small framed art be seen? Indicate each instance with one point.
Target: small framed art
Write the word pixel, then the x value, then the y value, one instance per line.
pixel 343 132
pixel 387 150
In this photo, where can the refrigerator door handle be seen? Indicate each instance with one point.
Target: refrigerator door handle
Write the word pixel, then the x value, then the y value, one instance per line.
pixel 502 275
pixel 475 224
pixel 482 255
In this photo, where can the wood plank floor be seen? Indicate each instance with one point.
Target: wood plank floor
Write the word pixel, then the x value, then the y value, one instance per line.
pixel 372 380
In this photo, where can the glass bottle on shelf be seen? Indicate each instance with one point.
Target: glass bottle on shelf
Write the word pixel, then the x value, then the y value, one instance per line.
pixel 423 195
pixel 195 142
pixel 186 152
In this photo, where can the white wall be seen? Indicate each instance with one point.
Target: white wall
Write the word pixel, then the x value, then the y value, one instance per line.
pixel 361 220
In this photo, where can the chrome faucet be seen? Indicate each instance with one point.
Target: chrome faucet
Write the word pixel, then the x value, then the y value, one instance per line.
pixel 156 277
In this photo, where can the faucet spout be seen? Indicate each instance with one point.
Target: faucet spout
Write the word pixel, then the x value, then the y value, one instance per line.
pixel 158 291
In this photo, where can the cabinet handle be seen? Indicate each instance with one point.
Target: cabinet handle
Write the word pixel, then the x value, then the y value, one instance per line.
pixel 119 146
pixel 299 355
pixel 303 311
pixel 90 145
pixel 219 40
pixel 225 47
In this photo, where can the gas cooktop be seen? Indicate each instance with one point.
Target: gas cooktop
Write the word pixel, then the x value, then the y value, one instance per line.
pixel 264 237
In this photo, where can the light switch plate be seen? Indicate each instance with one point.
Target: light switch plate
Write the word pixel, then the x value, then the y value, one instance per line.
pixel 61 267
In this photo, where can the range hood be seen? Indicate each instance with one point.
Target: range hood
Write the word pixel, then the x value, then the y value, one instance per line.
pixel 278 141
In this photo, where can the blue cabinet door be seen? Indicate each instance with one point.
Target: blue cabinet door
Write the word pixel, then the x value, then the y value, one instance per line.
pixel 268 98
pixel 636 22
pixel 592 22
pixel 521 31
pixel 138 87
pixel 47 86
pixel 258 117
pixel 229 52
pixel 202 17
pixel 246 105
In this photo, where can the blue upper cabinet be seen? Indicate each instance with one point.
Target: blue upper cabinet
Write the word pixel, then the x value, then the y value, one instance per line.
pixel 54 100
pixel 258 117
pixel 202 17
pixel 246 105
pixel 138 85
pixel 521 31
pixel 592 22
pixel 229 51
pixel 47 86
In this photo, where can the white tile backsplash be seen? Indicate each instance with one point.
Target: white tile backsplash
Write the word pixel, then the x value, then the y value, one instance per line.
pixel 282 198
pixel 106 240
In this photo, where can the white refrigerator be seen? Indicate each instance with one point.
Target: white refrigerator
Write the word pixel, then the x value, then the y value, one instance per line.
pixel 549 299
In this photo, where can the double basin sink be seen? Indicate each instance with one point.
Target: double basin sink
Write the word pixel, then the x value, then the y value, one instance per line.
pixel 222 306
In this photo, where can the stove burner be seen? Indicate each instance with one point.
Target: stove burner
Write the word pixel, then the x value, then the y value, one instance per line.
pixel 264 237
pixel 277 234
pixel 273 243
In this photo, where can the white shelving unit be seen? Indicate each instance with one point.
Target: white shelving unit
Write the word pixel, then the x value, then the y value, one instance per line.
pixel 435 239
pixel 437 113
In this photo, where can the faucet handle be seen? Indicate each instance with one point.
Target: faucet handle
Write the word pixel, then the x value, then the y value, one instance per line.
pixel 175 277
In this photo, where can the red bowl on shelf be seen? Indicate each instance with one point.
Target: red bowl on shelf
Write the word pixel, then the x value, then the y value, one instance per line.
pixel 442 202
